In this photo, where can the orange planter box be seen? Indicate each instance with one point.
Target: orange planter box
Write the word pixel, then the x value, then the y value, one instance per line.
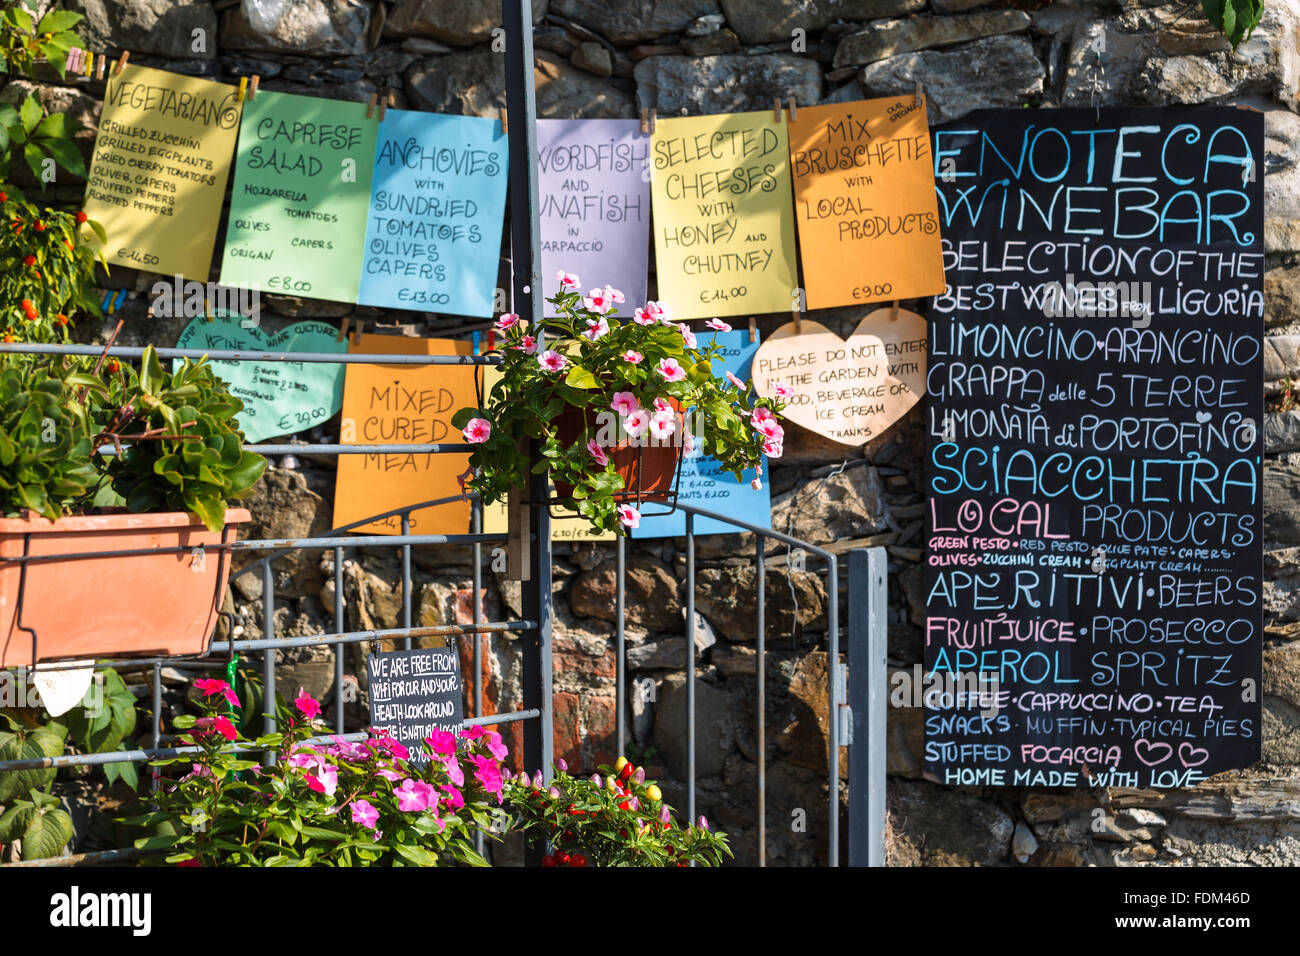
pixel 113 606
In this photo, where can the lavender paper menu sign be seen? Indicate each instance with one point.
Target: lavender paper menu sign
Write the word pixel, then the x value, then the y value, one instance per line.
pixel 594 190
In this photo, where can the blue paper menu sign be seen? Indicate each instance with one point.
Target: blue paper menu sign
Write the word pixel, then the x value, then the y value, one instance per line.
pixel 702 482
pixel 437 203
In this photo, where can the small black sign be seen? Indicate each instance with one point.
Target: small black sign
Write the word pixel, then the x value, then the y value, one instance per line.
pixel 413 693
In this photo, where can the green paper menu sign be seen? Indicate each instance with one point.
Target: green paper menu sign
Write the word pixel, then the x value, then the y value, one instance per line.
pixel 300 197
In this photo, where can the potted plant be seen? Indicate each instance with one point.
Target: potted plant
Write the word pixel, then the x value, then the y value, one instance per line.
pixel 97 456
pixel 613 405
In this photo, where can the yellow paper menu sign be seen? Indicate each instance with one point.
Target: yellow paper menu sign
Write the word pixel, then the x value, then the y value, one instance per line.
pixel 403 405
pixel 724 226
pixel 865 202
pixel 158 175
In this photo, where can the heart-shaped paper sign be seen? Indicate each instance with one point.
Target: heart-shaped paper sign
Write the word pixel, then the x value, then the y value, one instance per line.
pixel 848 390
pixel 279 398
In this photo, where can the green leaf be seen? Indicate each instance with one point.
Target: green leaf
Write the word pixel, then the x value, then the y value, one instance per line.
pixel 66 154
pixel 56 21
pixel 31 113
pixel 579 377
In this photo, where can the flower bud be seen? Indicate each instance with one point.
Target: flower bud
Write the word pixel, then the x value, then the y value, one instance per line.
pixel 702 823
pixel 553 793
pixel 595 779
pixel 537 780
pixel 664 815
pixel 636 804
pixel 638 778
pixel 562 765
pixel 523 779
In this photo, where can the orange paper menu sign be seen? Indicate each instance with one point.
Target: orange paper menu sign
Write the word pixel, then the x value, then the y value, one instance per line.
pixel 403 405
pixel 865 202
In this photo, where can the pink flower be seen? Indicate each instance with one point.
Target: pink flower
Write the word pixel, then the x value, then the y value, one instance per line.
pixel 663 424
pixel 614 295
pixel 633 356
pixel 442 742
pixel 595 329
pixel 597 454
pixel 454 799
pixel 637 422
pixel 780 389
pixel 630 517
pixel 394 747
pixel 598 300
pixel 472 732
pixel 760 414
pixel 509 321
pixel 644 317
pixel 488 772
pixel 527 345
pixel 477 431
pixel 325 780
pixel 364 813
pixel 757 484
pixel 739 383
pixel 770 428
pixel 552 360
pixel 454 772
pixel 661 405
pixel 415 795
pixel 209 687
pixel 567 280
pixel 624 403
pixel 688 443
pixel 308 706
pixel 670 370
pixel 219 724
pixel 772 448
pixel 718 325
pixel 495 745
pixel 390 775
pixel 662 310
pixel 687 335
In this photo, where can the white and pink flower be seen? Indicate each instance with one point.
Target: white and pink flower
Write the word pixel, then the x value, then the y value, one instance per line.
pixel 671 370
pixel 614 295
pixel 687 335
pixel 630 517
pixel 527 345
pixel 633 356
pixel 718 325
pixel 625 403
pixel 509 321
pixel 780 389
pixel 770 428
pixel 595 329
pixel 739 383
pixel 772 448
pixel 552 360
pixel 663 425
pixel 757 484
pixel 568 281
pixel 598 300
pixel 477 431
pixel 597 453
pixel 661 405
pixel 636 423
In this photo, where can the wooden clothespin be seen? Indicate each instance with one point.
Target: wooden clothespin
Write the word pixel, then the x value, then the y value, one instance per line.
pixel 893 313
pixel 505 120
pixel 776 110
pixel 252 87
pixel 385 101
pixel 121 62
pixel 99 66
pixel 370 108
pixel 243 89
pixel 648 120
pixel 72 63
pixel 794 110
pixel 918 92
pixel 88 64
pixel 753 329
pixel 343 329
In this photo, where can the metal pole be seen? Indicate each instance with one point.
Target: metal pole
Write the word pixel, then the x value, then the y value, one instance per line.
pixel 525 251
pixel 690 667
pixel 868 649
pixel 620 663
pixel 268 656
pixel 339 649
pixel 760 719
pixel 833 653
pixel 406 578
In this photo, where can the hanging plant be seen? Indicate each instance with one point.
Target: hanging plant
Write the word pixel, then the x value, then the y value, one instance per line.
pixel 606 399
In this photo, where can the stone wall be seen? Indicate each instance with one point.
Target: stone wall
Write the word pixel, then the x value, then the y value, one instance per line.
pixel 598 58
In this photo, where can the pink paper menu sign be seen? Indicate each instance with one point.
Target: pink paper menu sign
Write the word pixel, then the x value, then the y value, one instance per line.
pixel 594 191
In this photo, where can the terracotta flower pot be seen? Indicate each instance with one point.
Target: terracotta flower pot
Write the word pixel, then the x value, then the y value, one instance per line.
pixel 125 605
pixel 649 471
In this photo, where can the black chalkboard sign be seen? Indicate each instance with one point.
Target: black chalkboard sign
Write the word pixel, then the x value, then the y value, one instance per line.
pixel 1094 563
pixel 413 693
